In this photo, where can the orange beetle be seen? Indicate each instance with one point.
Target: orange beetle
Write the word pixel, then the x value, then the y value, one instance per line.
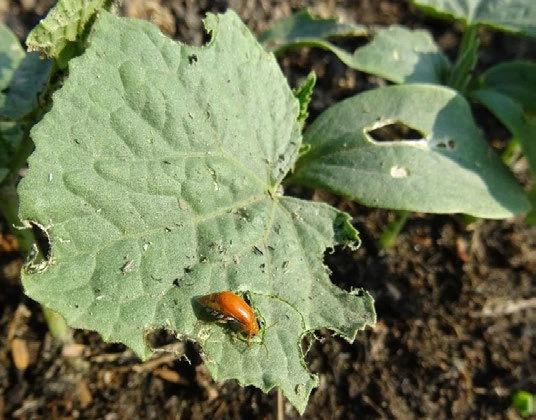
pixel 227 306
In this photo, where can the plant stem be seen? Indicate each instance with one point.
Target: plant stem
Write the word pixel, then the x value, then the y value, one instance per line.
pixel 389 235
pixel 57 325
pixel 511 153
pixel 460 75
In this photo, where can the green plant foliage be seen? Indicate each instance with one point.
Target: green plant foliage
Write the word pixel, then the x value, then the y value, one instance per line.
pixel 156 176
pixel 30 79
pixel 304 94
pixel 515 79
pixel 10 140
pixel 531 216
pixel 22 77
pixel 396 53
pixel 401 55
pixel 512 115
pixel 460 74
pixel 524 402
pixel 304 27
pixel 56 35
pixel 508 90
pixel 11 54
pixel 449 170
pixel 507 15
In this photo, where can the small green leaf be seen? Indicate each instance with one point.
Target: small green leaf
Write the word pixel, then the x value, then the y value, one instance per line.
pixel 304 27
pixel 510 16
pixel 515 79
pixel 22 77
pixel 304 93
pixel 507 90
pixel 11 54
pixel 524 402
pixel 29 80
pixel 511 113
pixel 449 170
pixel 396 53
pixel 402 55
pixel 155 177
pixel 63 27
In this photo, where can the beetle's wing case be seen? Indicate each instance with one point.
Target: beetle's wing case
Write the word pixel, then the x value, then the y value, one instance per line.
pixel 212 305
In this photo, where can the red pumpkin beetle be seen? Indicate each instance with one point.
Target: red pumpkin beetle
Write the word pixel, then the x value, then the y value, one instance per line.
pixel 227 306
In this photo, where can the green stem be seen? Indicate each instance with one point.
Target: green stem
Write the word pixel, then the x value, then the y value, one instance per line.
pixel 460 75
pixel 57 325
pixel 389 235
pixel 511 153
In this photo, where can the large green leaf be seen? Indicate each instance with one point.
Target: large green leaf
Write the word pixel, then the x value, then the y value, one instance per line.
pixel 449 170
pixel 506 15
pixel 156 177
pixel 395 53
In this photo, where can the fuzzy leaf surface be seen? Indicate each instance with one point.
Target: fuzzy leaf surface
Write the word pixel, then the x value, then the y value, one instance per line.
pixel 450 169
pixel 155 176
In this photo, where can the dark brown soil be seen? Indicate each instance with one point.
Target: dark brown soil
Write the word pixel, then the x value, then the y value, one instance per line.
pixel 456 327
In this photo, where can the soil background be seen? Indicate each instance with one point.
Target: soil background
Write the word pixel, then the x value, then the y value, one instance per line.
pixel 456 327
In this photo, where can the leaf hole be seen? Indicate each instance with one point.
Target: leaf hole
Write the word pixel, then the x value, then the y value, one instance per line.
pixel 449 144
pixel 160 337
pixel 165 340
pixel 342 271
pixel 42 240
pixel 192 59
pixel 350 43
pixel 389 132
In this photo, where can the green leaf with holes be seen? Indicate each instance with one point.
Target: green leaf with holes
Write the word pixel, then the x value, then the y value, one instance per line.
pixel 396 53
pixel 156 177
pixel 447 169
pixel 510 16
